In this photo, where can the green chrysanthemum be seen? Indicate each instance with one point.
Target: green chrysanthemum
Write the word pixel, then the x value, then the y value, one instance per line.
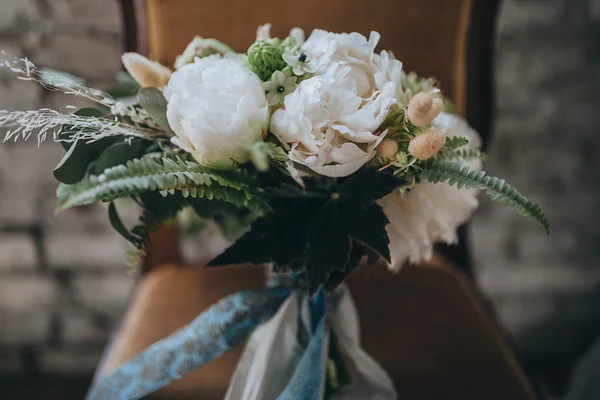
pixel 266 57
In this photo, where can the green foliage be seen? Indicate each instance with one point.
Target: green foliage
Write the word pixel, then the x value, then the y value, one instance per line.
pixel 120 153
pixel 153 101
pixel 413 82
pixel 154 174
pixel 455 142
pixel 75 163
pixel 266 57
pixel 125 88
pixel 453 150
pixel 156 210
pixel 316 229
pixel 290 43
pixel 465 154
pixel 232 221
pixel 448 106
pixel 259 155
pixel 441 171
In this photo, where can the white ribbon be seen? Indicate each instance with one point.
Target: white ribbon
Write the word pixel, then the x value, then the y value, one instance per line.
pixel 275 347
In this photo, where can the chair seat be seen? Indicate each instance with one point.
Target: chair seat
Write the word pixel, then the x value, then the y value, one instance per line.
pixel 424 325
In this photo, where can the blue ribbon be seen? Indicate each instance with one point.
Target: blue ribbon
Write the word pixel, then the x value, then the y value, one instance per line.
pixel 308 379
pixel 220 328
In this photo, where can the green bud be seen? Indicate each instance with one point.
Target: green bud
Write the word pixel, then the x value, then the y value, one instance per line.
pixel 290 43
pixel 266 57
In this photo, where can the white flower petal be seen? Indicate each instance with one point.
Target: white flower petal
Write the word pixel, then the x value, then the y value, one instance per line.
pixel 214 106
pixel 430 213
pixel 263 32
pixel 274 98
pixel 291 59
pixel 346 153
pixel 145 72
pixel 298 34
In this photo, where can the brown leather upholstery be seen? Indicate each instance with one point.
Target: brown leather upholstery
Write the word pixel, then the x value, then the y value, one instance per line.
pixel 427 35
pixel 424 325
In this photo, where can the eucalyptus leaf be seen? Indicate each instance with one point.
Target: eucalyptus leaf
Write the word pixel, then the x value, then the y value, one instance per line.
pixel 60 78
pixel 73 166
pixel 126 87
pixel 67 130
pixel 119 153
pixel 155 104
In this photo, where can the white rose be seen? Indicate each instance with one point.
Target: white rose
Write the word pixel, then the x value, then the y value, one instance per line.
pixel 217 108
pixel 430 213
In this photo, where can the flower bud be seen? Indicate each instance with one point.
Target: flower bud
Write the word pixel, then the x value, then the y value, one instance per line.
pixel 423 108
pixel 298 34
pixel 266 57
pixel 263 32
pixel 426 145
pixel 145 72
pixel 201 47
pixel 388 148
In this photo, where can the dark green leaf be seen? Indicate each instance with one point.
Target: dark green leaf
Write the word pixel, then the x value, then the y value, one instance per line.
pixel 119 153
pixel 329 246
pixel 277 237
pixel 313 228
pixel 126 86
pixel 337 276
pixel 73 166
pixel 368 185
pixel 68 130
pixel 368 228
pixel 156 210
pixel 117 224
pixel 155 104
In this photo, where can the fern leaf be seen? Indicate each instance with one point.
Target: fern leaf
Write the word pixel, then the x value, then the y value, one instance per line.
pixel 500 191
pixel 132 260
pixel 153 174
pixel 463 154
pixel 455 142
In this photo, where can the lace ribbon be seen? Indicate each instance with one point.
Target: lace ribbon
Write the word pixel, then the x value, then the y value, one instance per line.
pixel 220 328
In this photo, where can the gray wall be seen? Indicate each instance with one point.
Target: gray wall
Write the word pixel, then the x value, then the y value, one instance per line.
pixel 547 144
pixel 61 278
pixel 62 281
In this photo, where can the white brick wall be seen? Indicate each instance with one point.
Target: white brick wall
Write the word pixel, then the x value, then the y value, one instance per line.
pixel 60 308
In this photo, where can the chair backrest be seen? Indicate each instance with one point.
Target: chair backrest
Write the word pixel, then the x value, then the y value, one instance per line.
pixel 450 39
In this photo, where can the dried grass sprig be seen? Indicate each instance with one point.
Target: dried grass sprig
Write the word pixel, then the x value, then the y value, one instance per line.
pixel 22 124
pixel 64 84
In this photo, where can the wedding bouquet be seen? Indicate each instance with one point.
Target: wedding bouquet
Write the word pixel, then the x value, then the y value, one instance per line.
pixel 330 150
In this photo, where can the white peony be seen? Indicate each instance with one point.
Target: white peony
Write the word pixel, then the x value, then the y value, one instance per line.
pixel 430 213
pixel 217 109
pixel 330 122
